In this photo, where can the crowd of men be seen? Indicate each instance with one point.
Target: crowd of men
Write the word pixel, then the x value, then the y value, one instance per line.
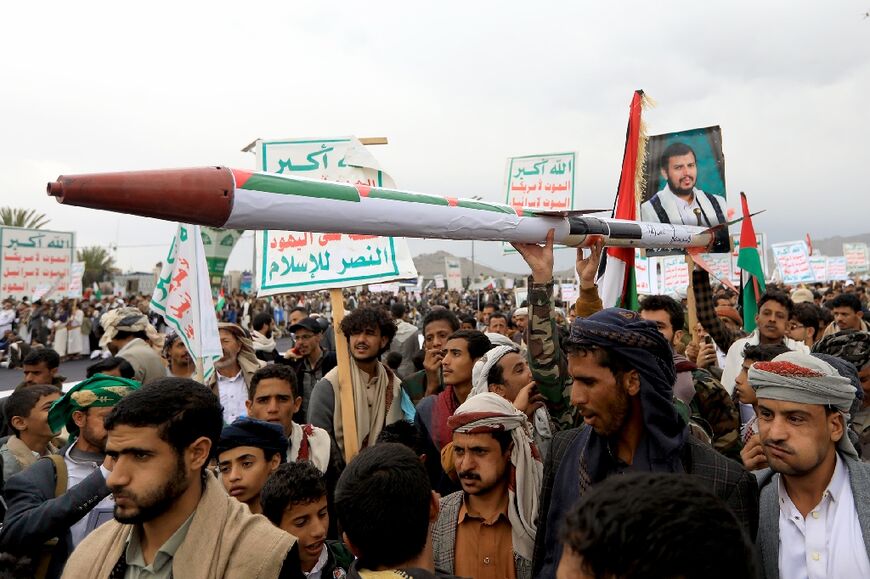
pixel 515 442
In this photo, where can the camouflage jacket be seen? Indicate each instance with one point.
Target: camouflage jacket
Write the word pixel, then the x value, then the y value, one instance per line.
pixel 714 410
pixel 546 358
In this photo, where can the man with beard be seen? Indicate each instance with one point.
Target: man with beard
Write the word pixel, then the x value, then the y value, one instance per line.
pixel 679 201
pixel 129 335
pixel 488 528
pixel 172 518
pixel 179 364
pixel 815 511
pixel 65 499
pixel 378 396
pixel 248 452
pixel 261 336
pixel 234 370
pixel 623 376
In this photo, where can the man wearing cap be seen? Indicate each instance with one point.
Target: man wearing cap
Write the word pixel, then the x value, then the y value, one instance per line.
pixel 854 347
pixel 129 335
pixel 66 499
pixel 488 528
pixel 234 370
pixel 248 451
pixel 815 511
pixel 623 375
pixel 309 360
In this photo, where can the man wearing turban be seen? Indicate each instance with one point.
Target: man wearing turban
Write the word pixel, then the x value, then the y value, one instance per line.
pixel 815 511
pixel 129 335
pixel 37 509
pixel 488 528
pixel 623 375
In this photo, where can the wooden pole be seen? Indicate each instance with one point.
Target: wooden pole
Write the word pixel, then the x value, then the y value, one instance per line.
pixel 690 299
pixel 345 385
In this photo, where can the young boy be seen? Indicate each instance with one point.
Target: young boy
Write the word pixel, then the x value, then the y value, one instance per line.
pixel 273 397
pixel 27 408
pixel 294 499
pixel 248 452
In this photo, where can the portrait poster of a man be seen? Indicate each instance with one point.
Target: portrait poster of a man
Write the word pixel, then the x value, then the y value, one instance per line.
pixel 685 182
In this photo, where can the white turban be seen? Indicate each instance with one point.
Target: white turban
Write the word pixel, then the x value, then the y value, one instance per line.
pixel 489 412
pixel 805 379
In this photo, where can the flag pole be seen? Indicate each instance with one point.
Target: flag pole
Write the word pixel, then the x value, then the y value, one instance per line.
pixel 345 384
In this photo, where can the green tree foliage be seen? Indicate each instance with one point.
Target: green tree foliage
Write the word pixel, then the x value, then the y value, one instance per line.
pixel 27 218
pixel 99 264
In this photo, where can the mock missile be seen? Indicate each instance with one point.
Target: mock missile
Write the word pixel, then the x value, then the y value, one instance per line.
pixel 238 199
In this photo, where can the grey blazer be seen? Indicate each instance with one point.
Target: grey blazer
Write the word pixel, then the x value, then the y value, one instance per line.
pixel 35 516
pixel 768 528
pixel 444 539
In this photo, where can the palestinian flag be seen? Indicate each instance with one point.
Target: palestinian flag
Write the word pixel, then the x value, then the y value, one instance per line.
pixel 219 306
pixel 616 275
pixel 751 273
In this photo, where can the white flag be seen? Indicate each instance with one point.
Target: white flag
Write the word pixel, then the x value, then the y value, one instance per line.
pixel 183 298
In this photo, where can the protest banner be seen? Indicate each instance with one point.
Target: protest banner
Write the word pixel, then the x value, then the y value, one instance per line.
pixel 643 274
pixel 35 262
pixel 218 245
pixel 307 261
pixel 819 263
pixel 544 182
pixel 454 273
pixel 675 274
pixel 75 279
pixel 521 294
pixel 837 269
pixel 507 282
pixel 720 266
pixel 439 281
pixel 761 241
pixel 570 293
pixel 183 297
pixel 392 288
pixel 681 167
pixel 856 257
pixel 793 260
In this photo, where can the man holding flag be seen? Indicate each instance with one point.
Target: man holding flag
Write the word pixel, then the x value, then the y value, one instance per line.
pixel 765 314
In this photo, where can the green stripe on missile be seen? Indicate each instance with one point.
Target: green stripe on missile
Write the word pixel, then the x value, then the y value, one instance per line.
pixel 393 195
pixel 320 190
pixel 472 204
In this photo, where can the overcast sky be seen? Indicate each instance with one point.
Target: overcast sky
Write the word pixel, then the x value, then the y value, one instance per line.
pixel 456 87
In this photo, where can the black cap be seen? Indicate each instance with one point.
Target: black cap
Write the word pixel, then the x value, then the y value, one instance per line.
pixel 309 324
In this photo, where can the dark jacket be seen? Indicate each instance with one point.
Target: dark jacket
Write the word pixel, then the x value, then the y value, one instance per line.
pixel 34 515
pixel 723 477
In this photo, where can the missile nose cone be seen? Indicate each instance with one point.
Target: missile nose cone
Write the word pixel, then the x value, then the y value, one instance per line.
pixel 55 189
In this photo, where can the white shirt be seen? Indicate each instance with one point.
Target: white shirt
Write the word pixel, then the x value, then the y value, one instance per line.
pixel 317 570
pixel 233 393
pixel 6 319
pixel 828 543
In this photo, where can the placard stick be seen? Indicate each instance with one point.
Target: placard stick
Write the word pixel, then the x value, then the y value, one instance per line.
pixel 345 386
pixel 690 299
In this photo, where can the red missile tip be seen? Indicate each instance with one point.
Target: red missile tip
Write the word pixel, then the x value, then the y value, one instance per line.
pixel 54 189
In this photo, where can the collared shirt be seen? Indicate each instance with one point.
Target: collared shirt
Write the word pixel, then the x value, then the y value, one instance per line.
pixel 233 394
pixel 161 566
pixel 828 543
pixel 484 547
pixel 321 563
pixel 79 466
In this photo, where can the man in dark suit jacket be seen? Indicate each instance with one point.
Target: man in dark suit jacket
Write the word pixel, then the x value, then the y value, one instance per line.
pixel 623 376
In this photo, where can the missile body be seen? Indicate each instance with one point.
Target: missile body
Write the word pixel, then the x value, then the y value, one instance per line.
pixel 231 198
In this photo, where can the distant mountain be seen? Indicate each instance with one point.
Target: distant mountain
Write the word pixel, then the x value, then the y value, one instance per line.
pixel 431 264
pixel 833 246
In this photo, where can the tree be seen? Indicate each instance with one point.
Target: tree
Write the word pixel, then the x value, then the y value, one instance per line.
pixel 27 218
pixel 98 264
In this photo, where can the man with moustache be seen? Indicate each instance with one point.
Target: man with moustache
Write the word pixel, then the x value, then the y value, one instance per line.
pixel 623 376
pixel 437 327
pixel 179 364
pixel 36 513
pixel 815 511
pixel 378 396
pixel 680 201
pixel 309 361
pixel 487 530
pixel 172 518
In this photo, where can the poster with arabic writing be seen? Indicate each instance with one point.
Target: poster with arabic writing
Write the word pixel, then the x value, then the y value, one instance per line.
pixel 543 182
pixel 289 261
pixel 793 260
pixel 35 262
